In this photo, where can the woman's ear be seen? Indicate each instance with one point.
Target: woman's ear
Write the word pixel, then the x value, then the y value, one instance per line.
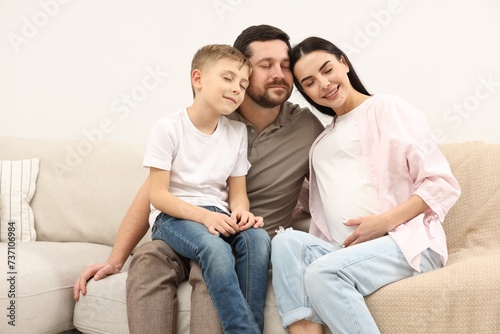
pixel 344 62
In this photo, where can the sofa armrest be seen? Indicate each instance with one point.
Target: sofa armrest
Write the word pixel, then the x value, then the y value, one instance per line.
pixel 462 297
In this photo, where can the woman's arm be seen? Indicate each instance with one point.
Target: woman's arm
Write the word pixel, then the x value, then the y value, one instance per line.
pixel 375 226
pixel 434 188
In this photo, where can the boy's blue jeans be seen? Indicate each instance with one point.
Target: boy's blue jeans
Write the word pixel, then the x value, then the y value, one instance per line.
pixel 237 285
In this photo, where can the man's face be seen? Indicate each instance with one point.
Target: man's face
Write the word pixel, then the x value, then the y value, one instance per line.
pixel 271 82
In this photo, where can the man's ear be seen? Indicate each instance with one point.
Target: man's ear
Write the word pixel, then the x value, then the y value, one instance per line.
pixel 196 78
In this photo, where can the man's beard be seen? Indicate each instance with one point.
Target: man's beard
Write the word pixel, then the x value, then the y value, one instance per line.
pixel 264 98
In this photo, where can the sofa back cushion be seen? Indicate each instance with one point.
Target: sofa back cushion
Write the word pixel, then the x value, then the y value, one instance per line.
pixel 84 188
pixel 474 220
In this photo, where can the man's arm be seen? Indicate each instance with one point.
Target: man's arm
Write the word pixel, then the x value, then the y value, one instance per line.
pixel 132 229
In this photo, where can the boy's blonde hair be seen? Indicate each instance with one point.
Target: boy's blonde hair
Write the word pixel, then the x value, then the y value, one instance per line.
pixel 211 53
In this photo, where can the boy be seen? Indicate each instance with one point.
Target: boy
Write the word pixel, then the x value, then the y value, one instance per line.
pixel 198 162
pixel 280 133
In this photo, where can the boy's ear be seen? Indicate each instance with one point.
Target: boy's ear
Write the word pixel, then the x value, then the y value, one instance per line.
pixel 196 78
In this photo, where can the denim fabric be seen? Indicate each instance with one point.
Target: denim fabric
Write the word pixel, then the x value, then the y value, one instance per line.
pixel 237 284
pixel 318 281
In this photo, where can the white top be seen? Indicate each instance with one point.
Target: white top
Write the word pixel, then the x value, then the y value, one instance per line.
pixel 199 164
pixel 345 188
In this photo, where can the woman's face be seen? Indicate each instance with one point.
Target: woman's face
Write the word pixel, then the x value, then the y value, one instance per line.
pixel 324 78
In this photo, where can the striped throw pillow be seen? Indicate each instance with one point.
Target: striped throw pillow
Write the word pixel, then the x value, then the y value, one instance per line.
pixel 18 185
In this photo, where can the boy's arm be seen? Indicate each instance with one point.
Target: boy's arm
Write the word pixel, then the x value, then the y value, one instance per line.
pixel 163 200
pixel 166 202
pixel 240 205
pixel 132 229
pixel 238 198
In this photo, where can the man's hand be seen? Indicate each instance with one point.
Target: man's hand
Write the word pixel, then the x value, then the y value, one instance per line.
pixel 97 271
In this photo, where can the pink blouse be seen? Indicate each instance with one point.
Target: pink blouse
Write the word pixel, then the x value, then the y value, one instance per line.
pixel 402 159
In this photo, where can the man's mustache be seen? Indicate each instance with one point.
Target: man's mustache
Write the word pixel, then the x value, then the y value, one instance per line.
pixel 278 82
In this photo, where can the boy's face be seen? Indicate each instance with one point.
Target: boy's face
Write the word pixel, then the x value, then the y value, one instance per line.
pixel 222 85
pixel 271 82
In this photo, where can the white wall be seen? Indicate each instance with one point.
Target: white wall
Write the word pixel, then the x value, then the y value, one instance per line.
pixel 71 69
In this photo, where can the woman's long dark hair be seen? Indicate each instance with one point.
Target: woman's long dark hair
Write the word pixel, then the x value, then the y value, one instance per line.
pixel 312 44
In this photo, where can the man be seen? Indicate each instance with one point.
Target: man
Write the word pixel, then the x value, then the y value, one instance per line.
pixel 279 137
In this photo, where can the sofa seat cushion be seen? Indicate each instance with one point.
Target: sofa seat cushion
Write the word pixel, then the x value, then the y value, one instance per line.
pixel 42 284
pixel 104 310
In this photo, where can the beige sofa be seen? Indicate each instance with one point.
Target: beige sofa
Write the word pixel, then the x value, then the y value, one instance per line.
pixel 84 188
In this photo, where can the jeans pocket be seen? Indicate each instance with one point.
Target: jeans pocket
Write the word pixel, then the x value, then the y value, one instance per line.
pixel 158 225
pixel 155 232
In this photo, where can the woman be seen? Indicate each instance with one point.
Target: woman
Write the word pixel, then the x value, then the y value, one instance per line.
pixel 379 191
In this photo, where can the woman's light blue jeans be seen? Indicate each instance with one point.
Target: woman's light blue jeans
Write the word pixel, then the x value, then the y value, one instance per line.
pixel 238 286
pixel 317 281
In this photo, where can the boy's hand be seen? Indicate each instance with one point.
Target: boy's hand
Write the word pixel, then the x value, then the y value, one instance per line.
pixel 246 219
pixel 220 223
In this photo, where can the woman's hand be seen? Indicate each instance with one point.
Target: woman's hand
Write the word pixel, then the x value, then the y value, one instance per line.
pixel 367 228
pixel 376 226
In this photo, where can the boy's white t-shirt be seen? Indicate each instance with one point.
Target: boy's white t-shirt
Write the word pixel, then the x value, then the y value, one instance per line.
pixel 199 164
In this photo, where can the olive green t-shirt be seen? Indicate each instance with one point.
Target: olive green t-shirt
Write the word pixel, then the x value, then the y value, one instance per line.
pixel 280 161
